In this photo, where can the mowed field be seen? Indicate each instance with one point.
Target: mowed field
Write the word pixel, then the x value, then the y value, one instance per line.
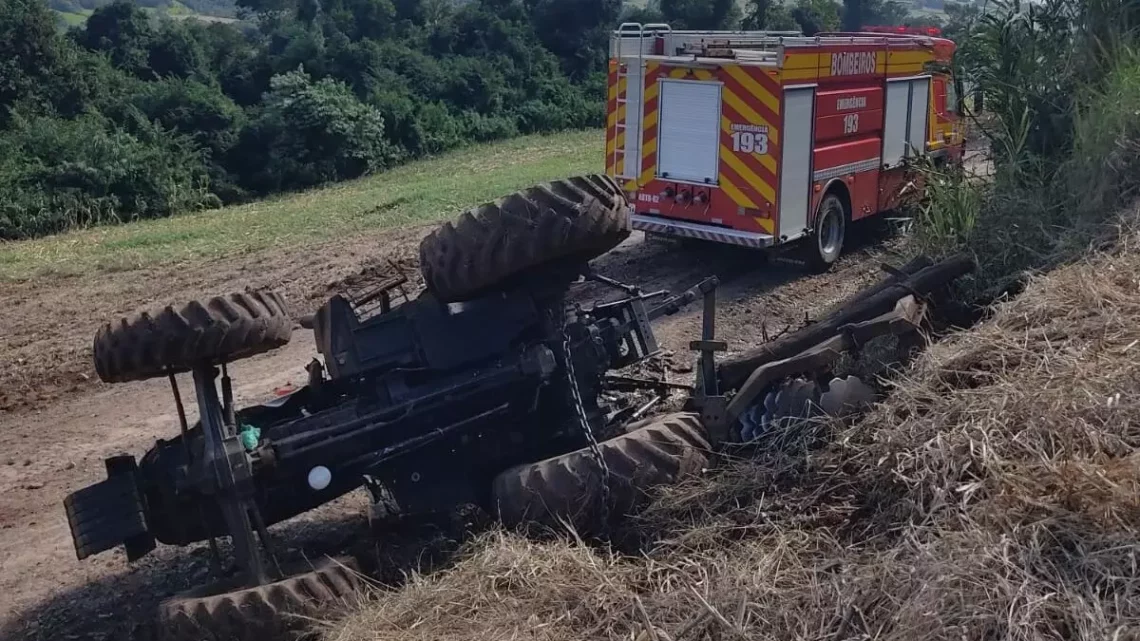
pixel 57 290
pixel 58 422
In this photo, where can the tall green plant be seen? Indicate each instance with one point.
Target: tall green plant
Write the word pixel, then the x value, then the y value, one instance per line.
pixel 1061 82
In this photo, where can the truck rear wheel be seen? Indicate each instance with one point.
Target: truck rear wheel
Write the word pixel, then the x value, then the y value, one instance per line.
pixel 574 219
pixel 828 234
pixel 570 486
pixel 219 330
pixel 221 611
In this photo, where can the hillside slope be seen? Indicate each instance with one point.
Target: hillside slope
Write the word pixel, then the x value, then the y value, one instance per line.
pixel 994 495
pixel 75 12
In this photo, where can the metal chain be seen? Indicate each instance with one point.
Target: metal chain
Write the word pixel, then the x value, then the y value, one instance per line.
pixel 584 425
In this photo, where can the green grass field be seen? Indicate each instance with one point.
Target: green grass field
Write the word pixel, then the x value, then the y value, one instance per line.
pixel 174 9
pixel 418 192
pixel 74 19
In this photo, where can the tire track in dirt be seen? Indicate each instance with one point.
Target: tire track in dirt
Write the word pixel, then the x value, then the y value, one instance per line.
pixel 58 446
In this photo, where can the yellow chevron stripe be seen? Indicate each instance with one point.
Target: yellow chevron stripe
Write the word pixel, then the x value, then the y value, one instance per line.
pixel 650 93
pixel 735 194
pixel 768 160
pixel 650 120
pixel 617 115
pixel 649 148
pixel 767 224
pixel 757 90
pixel 750 114
pixel 744 172
pixel 615 143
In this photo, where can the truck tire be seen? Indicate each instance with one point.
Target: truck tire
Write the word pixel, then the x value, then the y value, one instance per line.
pixel 574 219
pixel 828 233
pixel 569 487
pixel 220 612
pixel 219 330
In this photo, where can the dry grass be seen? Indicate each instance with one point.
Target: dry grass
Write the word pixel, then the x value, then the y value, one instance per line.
pixel 994 495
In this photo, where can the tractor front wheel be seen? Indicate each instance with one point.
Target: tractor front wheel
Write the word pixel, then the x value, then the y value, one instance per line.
pixel 212 332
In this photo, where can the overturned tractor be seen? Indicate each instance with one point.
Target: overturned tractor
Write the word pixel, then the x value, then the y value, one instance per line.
pixel 485 389
pixel 489 388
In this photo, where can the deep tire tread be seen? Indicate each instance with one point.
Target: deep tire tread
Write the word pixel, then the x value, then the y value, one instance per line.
pixel 261 612
pixel 220 330
pixel 567 486
pixel 578 218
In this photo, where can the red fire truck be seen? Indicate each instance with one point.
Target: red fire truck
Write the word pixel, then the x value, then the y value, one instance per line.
pixel 760 138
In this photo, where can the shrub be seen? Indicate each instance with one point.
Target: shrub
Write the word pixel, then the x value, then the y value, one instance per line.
pixel 315 132
pixel 56 174
pixel 1060 81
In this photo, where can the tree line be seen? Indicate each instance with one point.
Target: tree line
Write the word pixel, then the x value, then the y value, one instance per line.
pixel 136 116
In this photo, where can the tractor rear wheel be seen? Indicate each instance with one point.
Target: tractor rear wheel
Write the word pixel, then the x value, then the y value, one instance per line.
pixel 575 219
pixel 223 611
pixel 569 486
pixel 212 332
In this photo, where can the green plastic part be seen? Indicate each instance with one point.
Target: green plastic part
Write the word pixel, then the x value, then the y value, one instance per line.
pixel 250 436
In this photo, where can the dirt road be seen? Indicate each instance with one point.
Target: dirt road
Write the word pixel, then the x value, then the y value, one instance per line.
pixel 59 423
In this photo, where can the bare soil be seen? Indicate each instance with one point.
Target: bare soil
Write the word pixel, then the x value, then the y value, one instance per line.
pixel 57 422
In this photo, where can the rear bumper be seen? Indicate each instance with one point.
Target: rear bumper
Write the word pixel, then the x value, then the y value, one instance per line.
pixel 685 229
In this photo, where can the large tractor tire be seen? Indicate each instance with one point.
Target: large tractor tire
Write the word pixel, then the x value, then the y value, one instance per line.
pixel 221 612
pixel 219 330
pixel 569 487
pixel 565 220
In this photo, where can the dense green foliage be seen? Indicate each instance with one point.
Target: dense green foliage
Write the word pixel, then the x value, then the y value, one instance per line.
pixel 132 115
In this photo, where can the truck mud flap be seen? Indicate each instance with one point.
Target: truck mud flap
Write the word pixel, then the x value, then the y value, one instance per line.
pixel 109 513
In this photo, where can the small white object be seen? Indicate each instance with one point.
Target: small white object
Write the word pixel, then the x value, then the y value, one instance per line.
pixel 319 477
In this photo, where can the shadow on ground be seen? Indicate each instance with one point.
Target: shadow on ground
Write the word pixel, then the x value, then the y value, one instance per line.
pixel 121 606
pixel 677 265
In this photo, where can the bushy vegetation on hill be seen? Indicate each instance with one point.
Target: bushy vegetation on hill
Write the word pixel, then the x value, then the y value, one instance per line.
pixel 133 115
pixel 129 117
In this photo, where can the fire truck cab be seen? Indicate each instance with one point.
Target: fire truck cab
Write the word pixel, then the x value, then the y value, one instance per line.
pixel 758 138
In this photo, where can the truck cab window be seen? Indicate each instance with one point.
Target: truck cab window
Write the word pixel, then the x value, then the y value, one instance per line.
pixel 954 95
